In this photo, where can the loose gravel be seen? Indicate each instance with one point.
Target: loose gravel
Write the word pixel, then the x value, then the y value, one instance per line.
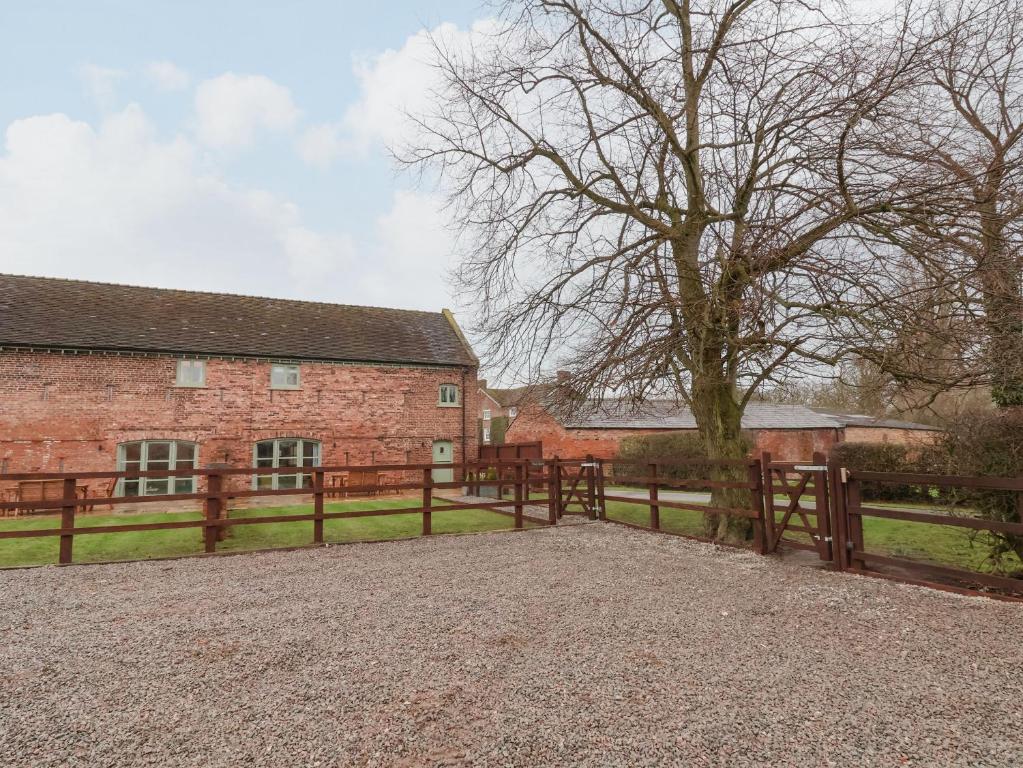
pixel 587 645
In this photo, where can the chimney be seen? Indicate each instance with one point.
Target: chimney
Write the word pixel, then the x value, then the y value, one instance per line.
pixel 481 383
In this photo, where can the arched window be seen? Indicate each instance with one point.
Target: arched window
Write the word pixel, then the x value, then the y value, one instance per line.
pixel 286 452
pixel 151 455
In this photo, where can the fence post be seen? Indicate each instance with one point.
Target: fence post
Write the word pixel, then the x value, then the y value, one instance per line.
pixel 756 478
pixel 213 504
pixel 318 506
pixel 601 502
pixel 591 488
pixel 427 502
pixel 518 495
pixel 768 492
pixel 552 502
pixel 67 519
pixel 655 510
pixel 559 505
pixel 855 523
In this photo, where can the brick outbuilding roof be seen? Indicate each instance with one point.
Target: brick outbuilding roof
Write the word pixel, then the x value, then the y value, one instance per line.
pixel 662 414
pixel 74 314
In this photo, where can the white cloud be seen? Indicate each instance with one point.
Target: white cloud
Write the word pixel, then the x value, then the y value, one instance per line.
pixel 167 75
pixel 101 83
pixel 116 202
pixel 321 144
pixel 392 85
pixel 232 109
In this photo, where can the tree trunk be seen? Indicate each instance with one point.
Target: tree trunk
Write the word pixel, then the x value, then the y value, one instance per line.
pixel 719 421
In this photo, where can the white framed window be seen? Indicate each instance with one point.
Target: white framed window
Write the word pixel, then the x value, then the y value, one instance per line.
pixel 191 373
pixel 486 434
pixel 486 414
pixel 284 377
pixel 513 412
pixel 448 395
pixel 151 455
pixel 285 452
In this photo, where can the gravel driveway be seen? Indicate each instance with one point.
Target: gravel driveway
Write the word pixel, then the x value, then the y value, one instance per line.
pixel 586 645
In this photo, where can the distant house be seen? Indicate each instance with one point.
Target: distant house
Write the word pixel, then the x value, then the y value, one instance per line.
pixel 96 377
pixel 498 408
pixel 788 432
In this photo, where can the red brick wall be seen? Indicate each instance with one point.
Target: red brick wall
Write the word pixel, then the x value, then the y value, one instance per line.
pixel 71 411
pixel 534 423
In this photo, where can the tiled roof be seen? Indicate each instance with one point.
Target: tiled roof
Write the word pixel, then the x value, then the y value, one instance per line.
pixel 660 414
pixel 74 314
pixel 862 420
pixel 507 397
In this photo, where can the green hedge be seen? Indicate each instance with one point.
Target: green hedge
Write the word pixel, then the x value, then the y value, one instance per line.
pixel 664 446
pixel 881 457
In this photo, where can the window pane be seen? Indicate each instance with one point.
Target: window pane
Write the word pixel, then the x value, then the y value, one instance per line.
pixel 264 481
pixel 156 487
pixel 287 481
pixel 131 488
pixel 157 452
pixel 310 454
pixel 184 485
pixel 287 452
pixel 186 452
pixel 132 451
pixel 265 450
pixel 307 481
pixel 132 466
pixel 292 378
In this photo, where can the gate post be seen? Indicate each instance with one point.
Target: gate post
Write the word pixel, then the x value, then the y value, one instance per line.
pixel 318 506
pixel 591 488
pixel 855 522
pixel 822 508
pixel 756 476
pixel 601 503
pixel 559 502
pixel 839 521
pixel 768 494
pixel 427 502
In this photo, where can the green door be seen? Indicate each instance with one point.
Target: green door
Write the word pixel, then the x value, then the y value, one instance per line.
pixel 442 455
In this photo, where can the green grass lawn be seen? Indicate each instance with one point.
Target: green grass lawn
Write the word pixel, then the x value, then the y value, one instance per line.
pixel 143 545
pixel 943 545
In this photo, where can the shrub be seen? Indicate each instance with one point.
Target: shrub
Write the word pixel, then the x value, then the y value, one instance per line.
pixel 987 443
pixel 880 457
pixel 665 446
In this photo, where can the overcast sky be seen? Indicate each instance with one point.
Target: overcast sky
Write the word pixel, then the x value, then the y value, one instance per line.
pixel 230 145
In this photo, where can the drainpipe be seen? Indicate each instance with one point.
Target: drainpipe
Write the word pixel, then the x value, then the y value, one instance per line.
pixel 465 396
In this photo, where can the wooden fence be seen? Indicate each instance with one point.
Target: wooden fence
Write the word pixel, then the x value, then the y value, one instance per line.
pixel 215 493
pixel 814 506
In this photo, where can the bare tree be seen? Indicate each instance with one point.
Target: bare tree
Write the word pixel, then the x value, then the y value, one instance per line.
pixel 961 129
pixel 660 194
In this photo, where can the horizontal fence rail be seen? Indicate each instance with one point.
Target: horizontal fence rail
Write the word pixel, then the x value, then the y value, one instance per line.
pixel 215 522
pixel 812 505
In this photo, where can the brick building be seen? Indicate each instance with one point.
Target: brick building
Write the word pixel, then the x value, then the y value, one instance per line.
pixel 95 377
pixel 497 410
pixel 788 432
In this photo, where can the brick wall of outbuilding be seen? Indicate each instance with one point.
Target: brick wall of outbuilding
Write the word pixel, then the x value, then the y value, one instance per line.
pixel 535 423
pixel 70 411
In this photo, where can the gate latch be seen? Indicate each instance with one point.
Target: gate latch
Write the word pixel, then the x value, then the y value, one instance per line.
pixel 589 464
pixel 810 468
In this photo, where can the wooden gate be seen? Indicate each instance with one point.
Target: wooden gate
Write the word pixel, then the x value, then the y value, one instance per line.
pixel 811 525
pixel 576 482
